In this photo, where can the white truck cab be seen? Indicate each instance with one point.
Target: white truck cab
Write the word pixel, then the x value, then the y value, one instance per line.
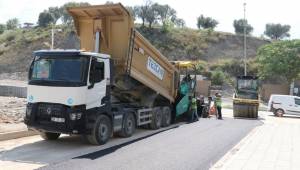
pixel 63 86
pixel 55 78
pixel 284 104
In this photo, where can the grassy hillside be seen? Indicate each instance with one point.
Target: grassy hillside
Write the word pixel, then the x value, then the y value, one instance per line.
pixel 16 46
pixel 181 44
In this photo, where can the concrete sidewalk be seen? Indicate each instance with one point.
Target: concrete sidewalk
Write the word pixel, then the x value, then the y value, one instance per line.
pixel 274 145
pixel 12 127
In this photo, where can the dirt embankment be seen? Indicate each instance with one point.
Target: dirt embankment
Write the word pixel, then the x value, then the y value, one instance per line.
pixel 12 109
pixel 231 46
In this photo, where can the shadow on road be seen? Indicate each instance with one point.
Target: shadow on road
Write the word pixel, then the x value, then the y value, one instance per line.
pixel 104 152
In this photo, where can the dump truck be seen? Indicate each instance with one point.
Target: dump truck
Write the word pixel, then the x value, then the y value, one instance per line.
pixel 117 81
pixel 246 98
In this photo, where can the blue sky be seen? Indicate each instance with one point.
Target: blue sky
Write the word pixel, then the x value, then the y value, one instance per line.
pixel 259 12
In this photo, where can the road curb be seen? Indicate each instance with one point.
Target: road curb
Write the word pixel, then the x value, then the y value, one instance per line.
pixel 17 134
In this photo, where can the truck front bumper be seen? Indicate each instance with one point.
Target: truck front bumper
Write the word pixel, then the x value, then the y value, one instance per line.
pixel 55 118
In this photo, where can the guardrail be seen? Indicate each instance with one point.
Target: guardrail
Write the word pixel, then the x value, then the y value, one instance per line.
pixel 13 91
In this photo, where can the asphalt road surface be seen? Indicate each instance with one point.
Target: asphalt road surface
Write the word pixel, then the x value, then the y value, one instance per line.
pixel 183 146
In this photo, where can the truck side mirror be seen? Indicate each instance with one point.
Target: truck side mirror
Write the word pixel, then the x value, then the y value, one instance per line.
pixel 30 70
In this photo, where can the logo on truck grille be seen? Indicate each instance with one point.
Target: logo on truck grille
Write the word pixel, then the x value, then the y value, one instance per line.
pixel 155 68
pixel 48 110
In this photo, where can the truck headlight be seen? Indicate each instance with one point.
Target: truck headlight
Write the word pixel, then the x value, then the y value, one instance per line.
pixel 28 110
pixel 75 116
pixel 79 116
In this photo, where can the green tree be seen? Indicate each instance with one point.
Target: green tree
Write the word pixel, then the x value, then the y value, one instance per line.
pixel 2 28
pixel 164 12
pixel 55 12
pixel 167 26
pixel 206 22
pixel 12 24
pixel 143 11
pixel 201 67
pixel 279 60
pixel 45 18
pixel 179 22
pixel 66 18
pixel 218 77
pixel 277 31
pixel 151 15
pixel 239 26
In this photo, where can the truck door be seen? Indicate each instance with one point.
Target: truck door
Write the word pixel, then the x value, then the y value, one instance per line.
pixel 97 84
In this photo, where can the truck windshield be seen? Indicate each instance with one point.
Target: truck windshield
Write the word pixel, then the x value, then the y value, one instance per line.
pixel 59 69
pixel 247 85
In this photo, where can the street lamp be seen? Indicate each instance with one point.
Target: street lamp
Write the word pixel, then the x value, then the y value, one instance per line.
pixel 245 42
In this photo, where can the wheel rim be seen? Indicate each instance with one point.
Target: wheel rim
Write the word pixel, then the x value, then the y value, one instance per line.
pixel 168 117
pixel 158 119
pixel 129 125
pixel 279 112
pixel 103 131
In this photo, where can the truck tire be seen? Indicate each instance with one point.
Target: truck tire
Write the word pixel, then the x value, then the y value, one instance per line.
pixel 49 135
pixel 101 131
pixel 156 118
pixel 166 116
pixel 279 112
pixel 128 126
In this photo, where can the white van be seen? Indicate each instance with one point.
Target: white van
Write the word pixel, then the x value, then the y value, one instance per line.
pixel 284 104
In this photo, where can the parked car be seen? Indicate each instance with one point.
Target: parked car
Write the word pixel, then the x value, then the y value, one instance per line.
pixel 284 104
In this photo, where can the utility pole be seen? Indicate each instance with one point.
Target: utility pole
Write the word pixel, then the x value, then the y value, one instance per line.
pixel 245 42
pixel 52 36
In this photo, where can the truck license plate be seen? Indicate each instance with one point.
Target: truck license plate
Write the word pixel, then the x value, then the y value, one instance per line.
pixel 56 119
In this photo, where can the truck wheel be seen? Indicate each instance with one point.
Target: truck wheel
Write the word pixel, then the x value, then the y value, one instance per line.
pixel 166 116
pixel 156 118
pixel 49 135
pixel 101 131
pixel 128 127
pixel 279 112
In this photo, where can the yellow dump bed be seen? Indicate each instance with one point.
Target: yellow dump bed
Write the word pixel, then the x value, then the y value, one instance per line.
pixel 131 52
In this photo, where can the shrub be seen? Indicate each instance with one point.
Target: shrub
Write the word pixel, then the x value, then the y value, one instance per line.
pixel 167 26
pixel 201 67
pixel 10 37
pixel 2 28
pixel 218 77
pixel 233 67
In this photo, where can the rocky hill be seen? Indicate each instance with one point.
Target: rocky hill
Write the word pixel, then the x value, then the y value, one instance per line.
pixel 16 46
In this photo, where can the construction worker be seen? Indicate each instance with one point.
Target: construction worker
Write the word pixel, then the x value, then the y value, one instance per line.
pixel 193 109
pixel 218 105
pixel 200 103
